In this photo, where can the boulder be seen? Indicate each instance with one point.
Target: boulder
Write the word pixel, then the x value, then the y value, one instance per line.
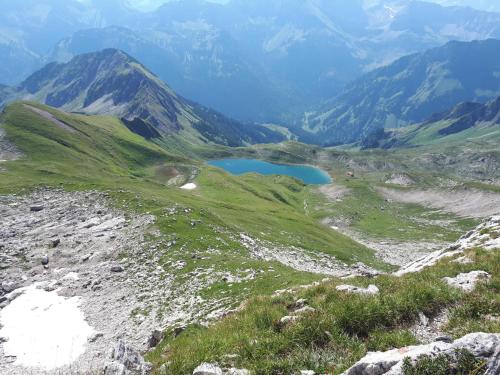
pixel 117 268
pixel 45 260
pixel 36 208
pixel 207 369
pixel 114 368
pixel 305 310
pixel 481 345
pixel 127 360
pixel 300 303
pixel 155 338
pixel 467 281
pixel 371 290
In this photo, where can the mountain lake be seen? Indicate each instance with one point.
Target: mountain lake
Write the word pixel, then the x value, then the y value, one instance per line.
pixel 309 175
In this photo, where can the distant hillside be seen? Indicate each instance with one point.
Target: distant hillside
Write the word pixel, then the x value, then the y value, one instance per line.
pixel 466 122
pixel 111 82
pixel 410 90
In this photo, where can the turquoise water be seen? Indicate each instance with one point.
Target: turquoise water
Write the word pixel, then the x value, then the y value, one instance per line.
pixel 309 175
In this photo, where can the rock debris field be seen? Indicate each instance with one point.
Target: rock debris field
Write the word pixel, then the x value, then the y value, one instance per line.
pixel 101 277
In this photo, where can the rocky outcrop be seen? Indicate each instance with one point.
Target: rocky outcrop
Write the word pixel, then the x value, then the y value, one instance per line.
pixel 370 291
pixel 207 369
pixel 467 281
pixel 213 369
pixel 484 235
pixel 481 345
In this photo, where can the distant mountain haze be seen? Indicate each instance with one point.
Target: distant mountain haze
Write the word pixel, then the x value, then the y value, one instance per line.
pixel 110 82
pixel 267 61
pixel 410 90
pixel 467 121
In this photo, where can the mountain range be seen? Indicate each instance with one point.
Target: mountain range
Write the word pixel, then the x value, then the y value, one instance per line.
pixel 466 122
pixel 410 90
pixel 110 82
pixel 256 61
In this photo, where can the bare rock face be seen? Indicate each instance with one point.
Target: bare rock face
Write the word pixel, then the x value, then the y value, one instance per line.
pixel 482 345
pixel 467 281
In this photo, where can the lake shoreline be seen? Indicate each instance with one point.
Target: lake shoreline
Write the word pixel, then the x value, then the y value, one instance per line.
pixel 308 174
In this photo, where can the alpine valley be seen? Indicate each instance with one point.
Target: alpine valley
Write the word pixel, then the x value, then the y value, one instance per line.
pixel 131 243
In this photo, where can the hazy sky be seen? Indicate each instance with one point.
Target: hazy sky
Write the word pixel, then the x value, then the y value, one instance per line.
pixel 152 4
pixel 492 5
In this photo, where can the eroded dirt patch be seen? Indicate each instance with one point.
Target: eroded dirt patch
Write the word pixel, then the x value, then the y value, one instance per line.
pixel 468 203
pixel 49 116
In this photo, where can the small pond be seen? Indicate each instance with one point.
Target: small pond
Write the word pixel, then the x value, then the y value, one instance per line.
pixel 309 175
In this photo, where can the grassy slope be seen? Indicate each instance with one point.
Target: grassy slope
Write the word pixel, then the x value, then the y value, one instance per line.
pixel 102 154
pixel 343 327
pixel 486 134
pixel 364 208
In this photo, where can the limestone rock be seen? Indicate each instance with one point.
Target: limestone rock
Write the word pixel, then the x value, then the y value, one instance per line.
pixel 300 303
pixel 236 371
pixel 115 368
pixel 467 281
pixel 371 290
pixel 207 369
pixel 305 310
pixel 482 345
pixel 123 356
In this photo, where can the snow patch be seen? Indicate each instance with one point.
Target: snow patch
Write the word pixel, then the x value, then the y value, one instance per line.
pixel 44 330
pixel 189 186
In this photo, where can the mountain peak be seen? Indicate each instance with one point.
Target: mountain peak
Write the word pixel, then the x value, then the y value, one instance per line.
pixel 111 82
pixel 107 82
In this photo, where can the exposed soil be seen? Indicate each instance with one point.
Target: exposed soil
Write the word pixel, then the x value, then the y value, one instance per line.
pixel 49 116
